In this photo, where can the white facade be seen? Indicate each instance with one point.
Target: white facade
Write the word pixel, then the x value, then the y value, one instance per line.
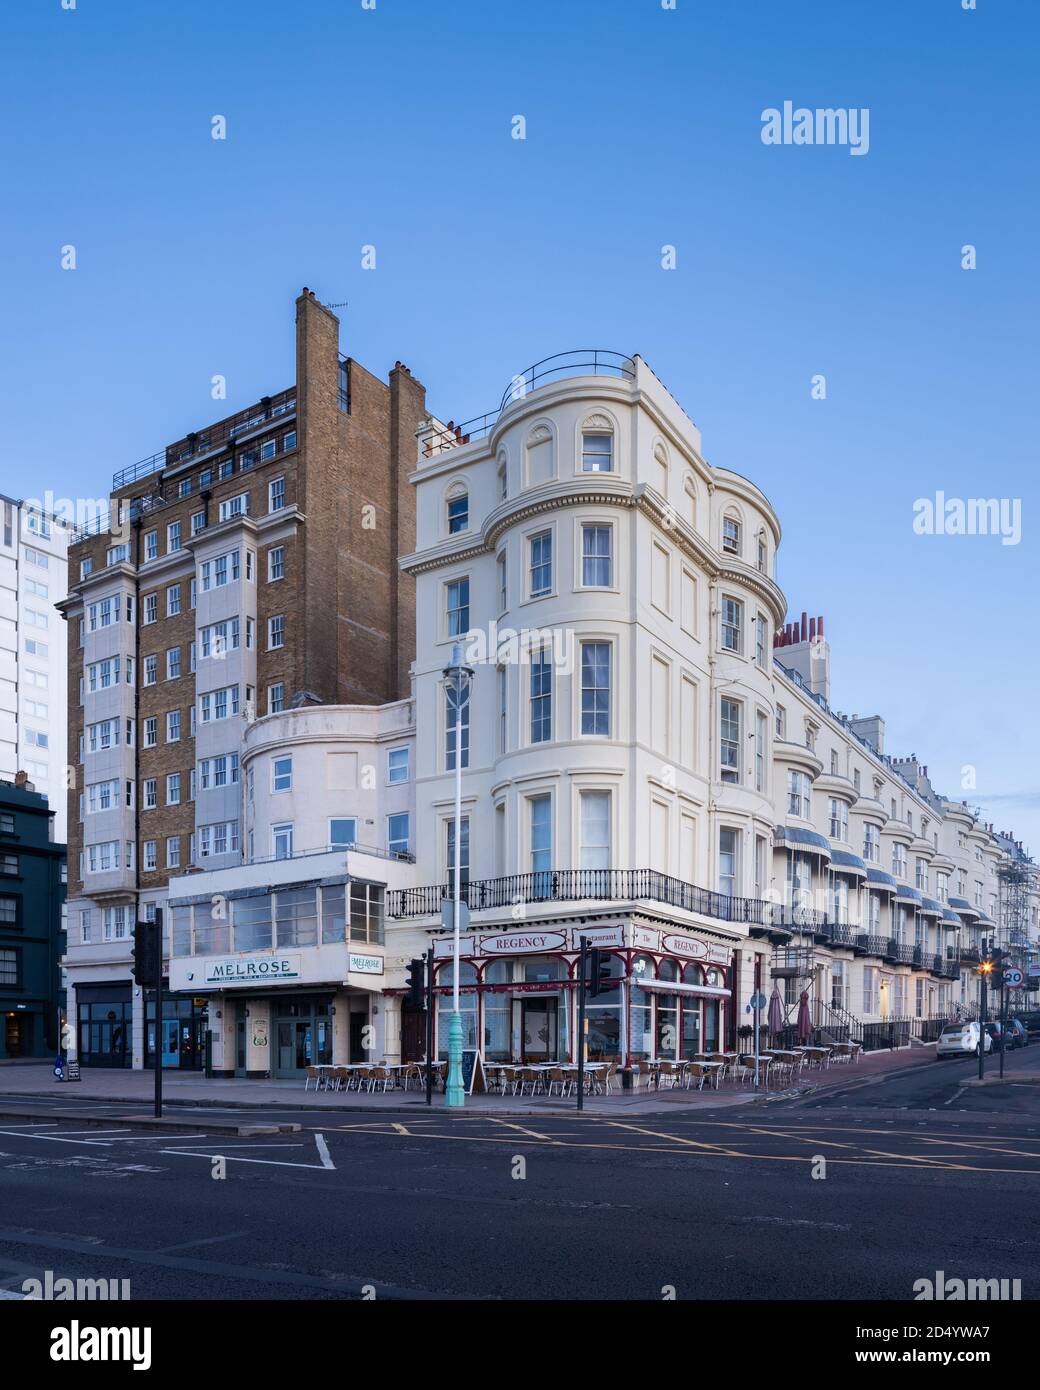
pixel 33 665
pixel 649 759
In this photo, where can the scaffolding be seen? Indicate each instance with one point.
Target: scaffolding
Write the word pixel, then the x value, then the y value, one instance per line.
pixel 1018 881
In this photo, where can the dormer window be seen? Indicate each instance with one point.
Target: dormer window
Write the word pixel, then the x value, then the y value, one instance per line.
pixel 458 511
pixel 731 535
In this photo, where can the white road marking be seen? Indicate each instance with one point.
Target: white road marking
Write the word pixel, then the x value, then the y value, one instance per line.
pixel 268 1162
pixel 323 1151
pixel 56 1139
pixel 95 1132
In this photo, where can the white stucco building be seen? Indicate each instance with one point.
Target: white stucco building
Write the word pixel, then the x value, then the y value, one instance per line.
pixel 650 759
pixel 33 664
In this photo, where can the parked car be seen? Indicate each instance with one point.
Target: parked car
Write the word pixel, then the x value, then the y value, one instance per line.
pixel 1031 1019
pixel 961 1040
pixel 1015 1032
pixel 994 1030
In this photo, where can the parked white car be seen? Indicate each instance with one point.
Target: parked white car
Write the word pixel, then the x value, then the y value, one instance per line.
pixel 961 1040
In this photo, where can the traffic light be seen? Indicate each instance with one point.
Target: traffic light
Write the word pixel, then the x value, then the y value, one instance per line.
pixel 600 980
pixel 417 982
pixel 144 968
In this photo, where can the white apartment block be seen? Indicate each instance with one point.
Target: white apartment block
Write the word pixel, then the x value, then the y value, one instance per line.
pixel 33 666
pixel 649 759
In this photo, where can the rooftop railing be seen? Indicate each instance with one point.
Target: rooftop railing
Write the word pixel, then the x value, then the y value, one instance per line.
pixel 577 362
pixel 267 408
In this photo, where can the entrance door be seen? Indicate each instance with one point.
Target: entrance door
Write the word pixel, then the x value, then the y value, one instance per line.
pixel 14 1036
pixel 170 1042
pixel 413 1034
pixel 240 1046
pixel 540 1030
pixel 357 1036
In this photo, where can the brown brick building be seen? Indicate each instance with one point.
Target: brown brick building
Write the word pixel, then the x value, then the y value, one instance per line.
pixel 251 563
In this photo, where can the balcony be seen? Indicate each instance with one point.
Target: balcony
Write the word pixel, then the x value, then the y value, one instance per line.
pixel 899 952
pixel 870 945
pixel 583 885
pixel 792 963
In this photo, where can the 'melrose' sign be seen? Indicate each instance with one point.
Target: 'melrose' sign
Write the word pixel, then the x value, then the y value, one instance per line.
pixel 251 970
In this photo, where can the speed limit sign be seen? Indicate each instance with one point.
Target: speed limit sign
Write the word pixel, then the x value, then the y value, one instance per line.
pixel 1014 978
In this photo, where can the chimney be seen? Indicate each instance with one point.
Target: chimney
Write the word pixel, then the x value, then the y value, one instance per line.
pixel 21 779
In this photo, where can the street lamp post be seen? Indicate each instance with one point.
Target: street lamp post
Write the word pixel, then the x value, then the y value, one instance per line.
pixel 457 677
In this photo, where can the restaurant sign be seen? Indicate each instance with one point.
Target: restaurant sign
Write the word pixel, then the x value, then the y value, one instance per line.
pixel 251 970
pixel 516 942
pixel 365 965
pixel 445 946
pixel 693 949
pixel 603 937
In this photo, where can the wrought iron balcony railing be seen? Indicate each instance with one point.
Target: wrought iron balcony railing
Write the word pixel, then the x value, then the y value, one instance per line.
pixel 584 885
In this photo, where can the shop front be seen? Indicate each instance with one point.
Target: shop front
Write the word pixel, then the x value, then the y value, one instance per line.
pixel 105 1024
pixel 669 994
pixel 183 1033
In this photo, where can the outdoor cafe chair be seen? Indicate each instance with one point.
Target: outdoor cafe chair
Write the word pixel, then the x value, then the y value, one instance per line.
pixel 557 1077
pixel 380 1078
pixel 312 1075
pixel 696 1075
pixel 668 1075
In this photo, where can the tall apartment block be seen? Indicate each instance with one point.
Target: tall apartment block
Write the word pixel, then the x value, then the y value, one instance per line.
pixel 33 695
pixel 247 568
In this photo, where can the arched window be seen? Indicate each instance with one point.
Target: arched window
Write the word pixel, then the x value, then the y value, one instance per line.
pixel 498 1012
pixel 467 1004
pixel 640 1009
pixel 597 445
pixel 668 1021
pixel 691 1040
pixel 540 462
pixel 661 468
pixel 503 477
pixel 763 553
pixel 457 509
pixel 732 533
pixel 604 1017
pixel 690 489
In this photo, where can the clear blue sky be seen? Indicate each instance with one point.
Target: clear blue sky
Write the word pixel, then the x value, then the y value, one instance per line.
pixel 392 127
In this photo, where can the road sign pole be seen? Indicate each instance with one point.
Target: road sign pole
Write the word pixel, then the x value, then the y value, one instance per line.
pixel 582 973
pixel 429 1026
pixel 158 941
pixel 982 1024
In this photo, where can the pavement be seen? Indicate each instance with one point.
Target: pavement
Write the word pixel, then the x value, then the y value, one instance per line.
pixel 36 1079
pixel 876 1178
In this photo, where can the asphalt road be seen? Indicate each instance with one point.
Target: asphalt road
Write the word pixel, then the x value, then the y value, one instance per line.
pixel 412 1205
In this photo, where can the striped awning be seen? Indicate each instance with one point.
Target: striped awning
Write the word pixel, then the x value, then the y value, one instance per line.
pixel 845 862
pixel 795 835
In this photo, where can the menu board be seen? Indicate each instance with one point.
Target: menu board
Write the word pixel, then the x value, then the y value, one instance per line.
pixel 472 1072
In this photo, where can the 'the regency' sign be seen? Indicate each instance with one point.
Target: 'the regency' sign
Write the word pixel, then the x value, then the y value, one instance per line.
pixel 515 942
pixel 252 970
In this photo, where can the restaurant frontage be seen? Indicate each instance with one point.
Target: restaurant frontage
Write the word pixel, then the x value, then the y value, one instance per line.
pixel 671 993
